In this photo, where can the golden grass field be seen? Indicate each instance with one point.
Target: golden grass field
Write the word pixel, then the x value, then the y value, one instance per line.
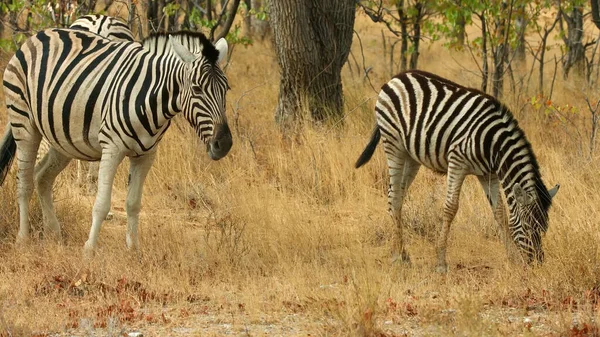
pixel 283 237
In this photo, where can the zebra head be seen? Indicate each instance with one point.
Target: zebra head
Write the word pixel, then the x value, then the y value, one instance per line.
pixel 529 221
pixel 203 95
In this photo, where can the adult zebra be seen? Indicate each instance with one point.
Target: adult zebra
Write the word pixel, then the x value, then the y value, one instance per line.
pixel 110 28
pixel 428 120
pixel 108 100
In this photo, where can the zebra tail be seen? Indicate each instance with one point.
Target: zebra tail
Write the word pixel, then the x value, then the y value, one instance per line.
pixel 8 148
pixel 370 149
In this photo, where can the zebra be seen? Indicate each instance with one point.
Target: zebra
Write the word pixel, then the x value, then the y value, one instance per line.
pixel 110 28
pixel 109 100
pixel 427 120
pixel 116 30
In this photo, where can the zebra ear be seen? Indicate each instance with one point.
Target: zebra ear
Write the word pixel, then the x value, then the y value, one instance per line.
pixel 522 197
pixel 184 54
pixel 553 191
pixel 223 48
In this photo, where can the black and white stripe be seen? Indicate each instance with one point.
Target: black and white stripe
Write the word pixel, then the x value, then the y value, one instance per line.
pixel 95 99
pixel 428 120
pixel 112 29
pixel 105 26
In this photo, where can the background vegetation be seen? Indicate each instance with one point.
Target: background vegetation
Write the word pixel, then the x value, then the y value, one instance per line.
pixel 284 237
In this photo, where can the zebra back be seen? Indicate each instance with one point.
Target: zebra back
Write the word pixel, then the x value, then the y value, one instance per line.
pixel 105 26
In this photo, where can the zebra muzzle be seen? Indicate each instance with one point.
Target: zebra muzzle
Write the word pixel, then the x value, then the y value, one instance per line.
pixel 220 143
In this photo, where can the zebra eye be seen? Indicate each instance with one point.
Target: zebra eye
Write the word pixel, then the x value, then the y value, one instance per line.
pixel 197 90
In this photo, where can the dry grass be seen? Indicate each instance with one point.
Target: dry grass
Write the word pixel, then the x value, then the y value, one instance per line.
pixel 284 237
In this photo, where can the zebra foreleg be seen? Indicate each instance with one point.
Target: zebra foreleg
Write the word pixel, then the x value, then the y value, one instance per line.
pixel 111 158
pixel 491 187
pixel 456 177
pixel 138 170
pixel 46 172
pixel 26 153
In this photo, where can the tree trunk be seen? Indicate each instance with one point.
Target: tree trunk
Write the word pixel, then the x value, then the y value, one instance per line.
pixel 520 27
pixel 404 36
pixel 596 12
pixel 151 14
pixel 312 40
pixel 461 22
pixel 484 54
pixel 209 10
pixel 500 54
pixel 416 39
pixel 574 42
pixel 248 18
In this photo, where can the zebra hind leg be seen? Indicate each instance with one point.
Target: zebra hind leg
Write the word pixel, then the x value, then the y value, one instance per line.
pixel 26 154
pixel 46 172
pixel 455 179
pixel 138 171
pixel 396 160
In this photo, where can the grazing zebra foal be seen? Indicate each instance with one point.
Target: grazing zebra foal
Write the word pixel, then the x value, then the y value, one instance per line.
pixel 108 100
pixel 428 120
pixel 113 29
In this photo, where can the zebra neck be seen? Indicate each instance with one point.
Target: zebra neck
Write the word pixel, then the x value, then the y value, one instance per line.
pixel 164 97
pixel 516 164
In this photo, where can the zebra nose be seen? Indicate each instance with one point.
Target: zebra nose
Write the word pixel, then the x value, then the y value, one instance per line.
pixel 221 142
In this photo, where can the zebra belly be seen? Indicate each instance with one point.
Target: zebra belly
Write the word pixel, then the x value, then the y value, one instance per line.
pixel 80 151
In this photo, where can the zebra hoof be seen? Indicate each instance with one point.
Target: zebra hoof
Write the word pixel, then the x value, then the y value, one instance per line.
pixel 442 269
pixel 88 250
pixel 22 240
pixel 404 258
pixel 109 216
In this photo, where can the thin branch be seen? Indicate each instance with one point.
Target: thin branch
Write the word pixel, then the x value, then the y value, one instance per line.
pixel 229 21
pixel 363 61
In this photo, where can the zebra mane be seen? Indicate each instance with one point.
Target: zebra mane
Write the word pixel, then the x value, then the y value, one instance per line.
pixel 196 42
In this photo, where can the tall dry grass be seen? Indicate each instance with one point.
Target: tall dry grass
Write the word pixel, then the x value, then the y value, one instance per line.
pixel 285 237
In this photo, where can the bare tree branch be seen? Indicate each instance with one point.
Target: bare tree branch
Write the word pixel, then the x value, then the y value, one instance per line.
pixel 228 22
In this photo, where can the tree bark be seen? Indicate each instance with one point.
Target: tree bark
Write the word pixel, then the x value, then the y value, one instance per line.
pixel 248 18
pixel 520 27
pixel 484 53
pixel 209 10
pixel 461 22
pixel 151 14
pixel 596 12
pixel 404 36
pixel 416 39
pixel 312 40
pixel 574 42
pixel 500 54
